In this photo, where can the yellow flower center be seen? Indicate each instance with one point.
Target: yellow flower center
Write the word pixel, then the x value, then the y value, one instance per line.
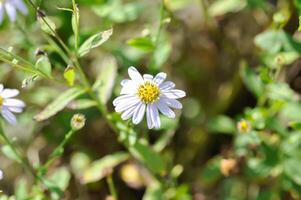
pixel 148 92
pixel 1 101
pixel 243 126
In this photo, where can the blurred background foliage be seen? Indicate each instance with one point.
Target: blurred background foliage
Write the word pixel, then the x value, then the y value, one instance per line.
pixel 238 135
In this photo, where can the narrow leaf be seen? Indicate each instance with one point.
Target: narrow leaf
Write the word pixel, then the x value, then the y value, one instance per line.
pixel 149 157
pixel 47 25
pixel 99 169
pixel 43 65
pixel 94 41
pixel 59 103
pixel 106 79
pixel 144 43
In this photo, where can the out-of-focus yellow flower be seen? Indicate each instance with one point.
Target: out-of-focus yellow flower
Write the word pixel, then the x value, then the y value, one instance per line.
pixel 243 126
pixel 131 175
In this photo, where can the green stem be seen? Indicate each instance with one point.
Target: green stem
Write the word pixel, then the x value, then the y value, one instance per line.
pixel 112 188
pixel 59 150
pixel 50 28
pixel 157 37
pixel 24 162
pixel 16 65
pixel 76 39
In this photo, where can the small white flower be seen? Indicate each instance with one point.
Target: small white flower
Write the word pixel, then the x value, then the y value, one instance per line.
pixel 1 174
pixel 147 94
pixel 11 7
pixel 9 105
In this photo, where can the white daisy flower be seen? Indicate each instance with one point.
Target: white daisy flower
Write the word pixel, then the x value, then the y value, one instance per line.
pixel 147 94
pixel 10 105
pixel 11 7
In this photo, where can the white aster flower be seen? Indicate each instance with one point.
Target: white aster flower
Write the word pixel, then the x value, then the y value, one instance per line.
pixel 10 105
pixel 11 7
pixel 147 94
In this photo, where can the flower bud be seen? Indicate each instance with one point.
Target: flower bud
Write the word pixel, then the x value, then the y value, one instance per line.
pixel 78 121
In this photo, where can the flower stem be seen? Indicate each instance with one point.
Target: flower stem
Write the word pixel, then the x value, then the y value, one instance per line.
pixel 158 34
pixel 59 150
pixel 24 162
pixel 112 188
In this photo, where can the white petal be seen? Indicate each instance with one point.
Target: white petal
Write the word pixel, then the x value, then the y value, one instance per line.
pixel 121 98
pixel 152 116
pixel 135 75
pixel 148 117
pixel 1 174
pixel 165 110
pixel 124 105
pixel 14 103
pixel 8 93
pixel 173 103
pixel 155 116
pixel 15 109
pixel 129 88
pixel 159 78
pixel 11 11
pixel 10 117
pixel 174 94
pixel 124 82
pixel 148 77
pixel 139 113
pixel 167 85
pixel 129 112
pixel 1 87
pixel 1 17
pixel 19 4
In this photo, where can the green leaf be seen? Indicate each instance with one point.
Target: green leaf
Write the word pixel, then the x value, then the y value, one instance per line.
pixel 142 43
pixel 9 153
pixel 280 91
pixel 94 41
pixel 82 104
pixel 270 41
pixel 297 4
pixel 154 192
pixel 291 111
pixel 252 80
pixel 59 103
pixel 58 182
pixel 222 7
pixel 149 157
pixel 75 23
pixel 99 168
pixel 105 81
pixel 118 11
pixel 296 125
pixel 161 53
pixel 293 170
pixel 69 75
pixel 79 162
pixel 21 191
pixel 211 172
pixel 274 41
pixel 29 80
pixel 43 65
pixel 222 124
pixel 47 25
